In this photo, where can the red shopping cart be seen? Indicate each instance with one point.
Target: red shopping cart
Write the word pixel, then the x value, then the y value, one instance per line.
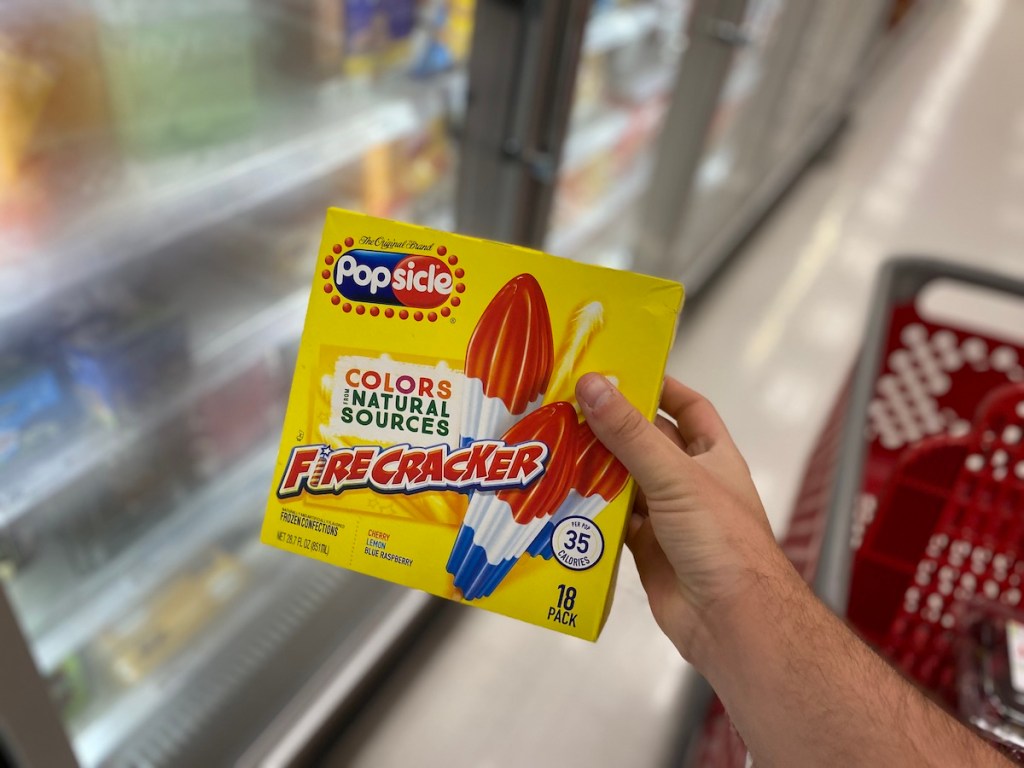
pixel 912 504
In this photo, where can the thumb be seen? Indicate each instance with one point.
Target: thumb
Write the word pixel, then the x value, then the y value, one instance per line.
pixel 651 457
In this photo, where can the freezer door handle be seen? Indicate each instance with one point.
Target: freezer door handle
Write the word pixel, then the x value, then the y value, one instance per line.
pixel 522 73
pixel 727 32
pixel 543 166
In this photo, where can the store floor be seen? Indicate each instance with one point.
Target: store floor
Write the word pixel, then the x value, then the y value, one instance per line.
pixel 933 164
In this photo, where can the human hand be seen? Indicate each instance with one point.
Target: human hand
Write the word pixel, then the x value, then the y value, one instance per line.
pixel 698 532
pixel 723 592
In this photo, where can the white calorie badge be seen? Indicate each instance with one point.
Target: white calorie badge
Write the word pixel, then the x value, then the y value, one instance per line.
pixel 577 543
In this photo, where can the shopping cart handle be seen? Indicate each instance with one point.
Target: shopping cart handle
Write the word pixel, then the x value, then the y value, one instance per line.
pixel 899 281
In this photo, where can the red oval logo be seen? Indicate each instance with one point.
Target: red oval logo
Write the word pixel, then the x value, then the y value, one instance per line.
pixel 422 282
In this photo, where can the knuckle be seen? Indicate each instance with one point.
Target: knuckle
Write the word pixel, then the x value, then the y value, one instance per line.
pixel 664 493
pixel 630 426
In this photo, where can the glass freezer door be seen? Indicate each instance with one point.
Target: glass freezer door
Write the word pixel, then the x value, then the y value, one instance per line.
pixel 764 84
pixel 730 164
pixel 826 64
pixel 627 67
pixel 164 170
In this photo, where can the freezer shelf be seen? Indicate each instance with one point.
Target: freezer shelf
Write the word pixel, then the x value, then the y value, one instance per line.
pixel 569 239
pixel 281 640
pixel 202 190
pixel 151 275
pixel 58 628
pixel 59 620
pixel 283 592
pixel 230 649
pixel 216 362
pixel 247 334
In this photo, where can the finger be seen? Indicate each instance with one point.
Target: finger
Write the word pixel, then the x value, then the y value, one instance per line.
pixel 670 431
pixel 652 458
pixel 702 429
pixel 640 504
pixel 656 573
pixel 696 418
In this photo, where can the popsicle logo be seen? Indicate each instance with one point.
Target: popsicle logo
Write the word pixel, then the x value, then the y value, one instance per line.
pixel 378 277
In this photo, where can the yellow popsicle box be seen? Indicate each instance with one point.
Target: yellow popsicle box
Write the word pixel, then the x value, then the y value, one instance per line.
pixel 432 437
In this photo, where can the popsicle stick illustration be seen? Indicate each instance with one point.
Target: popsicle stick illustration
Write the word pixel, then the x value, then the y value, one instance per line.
pixel 509 360
pixel 598 478
pixel 499 526
pixel 582 327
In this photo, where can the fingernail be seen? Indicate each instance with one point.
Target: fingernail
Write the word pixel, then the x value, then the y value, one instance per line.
pixel 593 390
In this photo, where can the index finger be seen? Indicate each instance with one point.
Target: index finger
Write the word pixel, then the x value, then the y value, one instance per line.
pixel 698 422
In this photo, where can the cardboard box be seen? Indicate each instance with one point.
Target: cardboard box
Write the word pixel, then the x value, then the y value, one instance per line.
pixel 432 437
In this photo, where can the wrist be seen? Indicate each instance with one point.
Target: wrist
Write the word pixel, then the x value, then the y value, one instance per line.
pixel 726 630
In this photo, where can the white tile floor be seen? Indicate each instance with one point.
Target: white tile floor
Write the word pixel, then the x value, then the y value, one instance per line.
pixel 933 164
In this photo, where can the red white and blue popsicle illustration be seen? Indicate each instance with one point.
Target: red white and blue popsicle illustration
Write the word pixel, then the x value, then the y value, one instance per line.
pixel 499 526
pixel 598 478
pixel 508 367
pixel 508 360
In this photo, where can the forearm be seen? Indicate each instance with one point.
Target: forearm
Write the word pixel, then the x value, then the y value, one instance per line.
pixel 802 689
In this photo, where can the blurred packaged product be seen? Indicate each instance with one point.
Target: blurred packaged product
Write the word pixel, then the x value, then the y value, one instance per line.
pixel 126 356
pixel 644 122
pixel 18 545
pixel 56 122
pixel 591 87
pixel 36 408
pixel 24 210
pixel 380 180
pixel 138 486
pixel 378 36
pixel 400 173
pixel 642 85
pixel 426 159
pixel 301 39
pixel 581 189
pixel 611 145
pixel 446 37
pixel 71 685
pixel 51 81
pixel 362 35
pixel 158 630
pixel 181 75
pixel 402 18
pixel 25 87
pixel 232 420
